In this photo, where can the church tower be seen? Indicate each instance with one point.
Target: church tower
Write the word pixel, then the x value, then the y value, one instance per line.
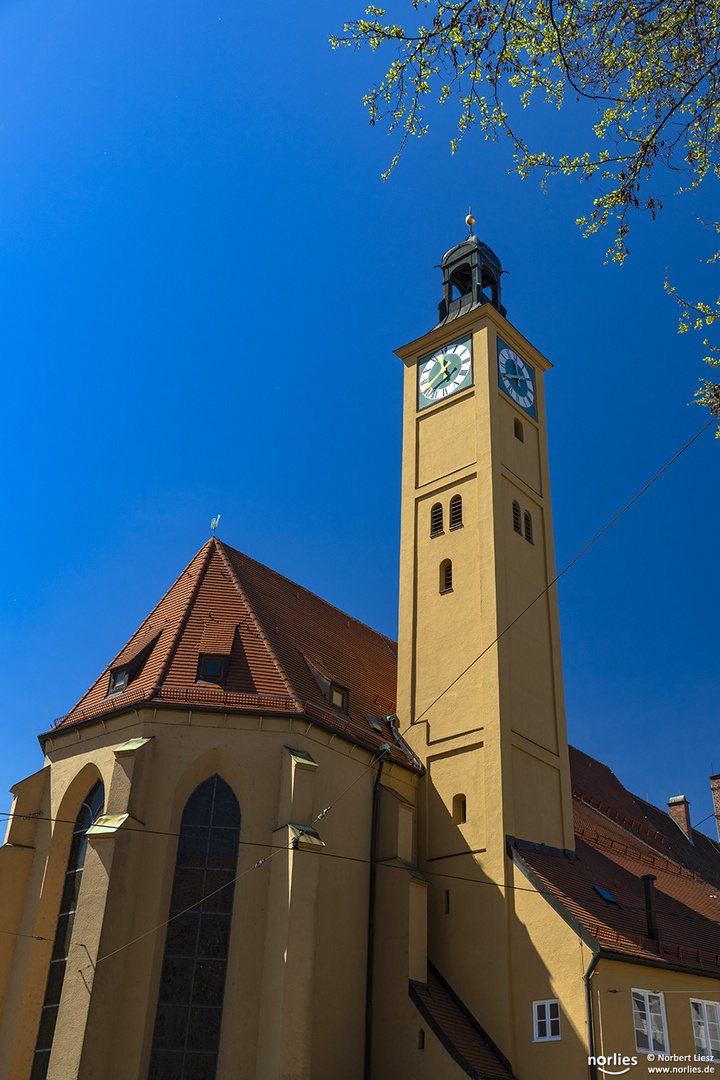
pixel 480 694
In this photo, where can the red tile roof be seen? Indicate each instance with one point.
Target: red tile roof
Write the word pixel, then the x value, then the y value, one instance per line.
pixel 225 603
pixel 619 838
pixel 458 1030
pixel 275 633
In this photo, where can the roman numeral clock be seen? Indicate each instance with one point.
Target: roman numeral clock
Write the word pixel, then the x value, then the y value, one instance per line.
pixel 516 378
pixel 445 372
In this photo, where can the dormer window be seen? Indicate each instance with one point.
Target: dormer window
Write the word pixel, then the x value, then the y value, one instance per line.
pixel 119 678
pixel 335 695
pixel 338 697
pixel 129 662
pixel 211 669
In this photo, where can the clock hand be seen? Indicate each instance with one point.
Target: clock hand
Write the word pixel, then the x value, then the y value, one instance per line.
pixel 441 374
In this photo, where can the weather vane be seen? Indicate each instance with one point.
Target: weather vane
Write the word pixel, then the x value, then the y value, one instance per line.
pixel 214 524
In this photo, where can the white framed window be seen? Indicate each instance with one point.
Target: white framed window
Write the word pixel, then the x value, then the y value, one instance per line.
pixel 706 1028
pixel 650 1023
pixel 546 1020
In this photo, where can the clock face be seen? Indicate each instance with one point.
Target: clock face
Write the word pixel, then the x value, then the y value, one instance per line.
pixel 445 372
pixel 516 378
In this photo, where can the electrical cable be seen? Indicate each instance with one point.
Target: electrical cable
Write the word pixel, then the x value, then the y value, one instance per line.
pixel 565 569
pixel 238 877
pixel 375 757
pixel 276 849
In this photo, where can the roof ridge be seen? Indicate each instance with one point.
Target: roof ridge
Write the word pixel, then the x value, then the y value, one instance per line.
pixel 660 862
pixel 147 620
pixel 315 596
pixel 256 622
pixel 182 621
pixel 607 810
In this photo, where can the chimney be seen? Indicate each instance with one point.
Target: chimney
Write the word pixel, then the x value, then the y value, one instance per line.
pixel 653 932
pixel 715 789
pixel 679 810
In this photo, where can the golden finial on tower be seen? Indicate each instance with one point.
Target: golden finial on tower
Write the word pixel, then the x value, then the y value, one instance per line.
pixel 470 221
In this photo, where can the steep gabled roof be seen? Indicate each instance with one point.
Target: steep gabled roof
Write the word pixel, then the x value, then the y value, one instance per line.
pixel 596 785
pixel 458 1030
pixel 270 632
pixel 619 839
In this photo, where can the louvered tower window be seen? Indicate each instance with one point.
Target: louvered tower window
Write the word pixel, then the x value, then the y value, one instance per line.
pixel 528 528
pixel 456 518
pixel 516 518
pixel 89 812
pixel 192 982
pixel 436 519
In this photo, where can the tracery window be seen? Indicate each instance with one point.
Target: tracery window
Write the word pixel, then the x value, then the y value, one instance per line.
pixel 89 812
pixel 192 982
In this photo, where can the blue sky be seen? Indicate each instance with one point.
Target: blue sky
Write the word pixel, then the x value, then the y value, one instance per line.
pixel 198 260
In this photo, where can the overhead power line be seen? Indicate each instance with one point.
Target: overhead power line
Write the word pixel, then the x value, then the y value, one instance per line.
pixel 376 757
pixel 565 569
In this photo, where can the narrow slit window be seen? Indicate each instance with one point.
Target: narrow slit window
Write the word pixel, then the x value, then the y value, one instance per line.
pixel 456 518
pixel 516 518
pixel 528 528
pixel 519 433
pixel 446 576
pixel 436 520
pixel 459 810
pixel 421 1039
pixel 447 901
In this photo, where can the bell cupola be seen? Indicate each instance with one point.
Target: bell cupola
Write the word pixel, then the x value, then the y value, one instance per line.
pixel 471 277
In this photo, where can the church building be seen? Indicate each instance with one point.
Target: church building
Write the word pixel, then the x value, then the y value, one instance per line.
pixel 270 843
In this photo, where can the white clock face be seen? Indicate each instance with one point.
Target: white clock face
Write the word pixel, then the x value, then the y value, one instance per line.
pixel 445 372
pixel 516 378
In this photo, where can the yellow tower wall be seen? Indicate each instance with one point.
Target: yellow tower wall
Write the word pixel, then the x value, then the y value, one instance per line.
pixel 480 695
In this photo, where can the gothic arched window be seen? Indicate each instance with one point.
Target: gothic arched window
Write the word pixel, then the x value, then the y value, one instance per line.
pixel 192 983
pixel 89 812
pixel 456 512
pixel 436 519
